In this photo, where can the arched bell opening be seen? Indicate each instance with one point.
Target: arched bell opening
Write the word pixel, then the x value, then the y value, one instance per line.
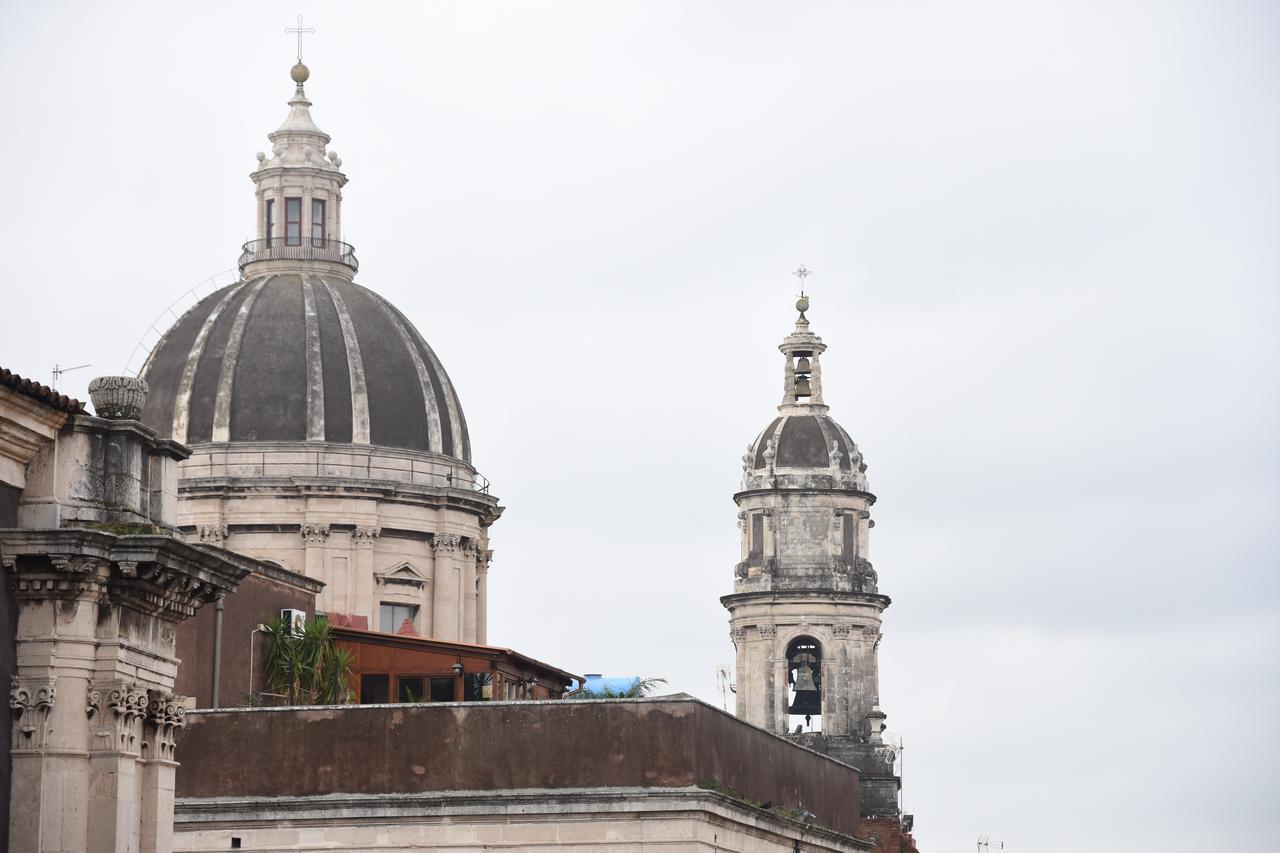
pixel 804 685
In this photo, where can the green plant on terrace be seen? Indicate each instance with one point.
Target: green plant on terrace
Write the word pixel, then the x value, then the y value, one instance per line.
pixel 307 668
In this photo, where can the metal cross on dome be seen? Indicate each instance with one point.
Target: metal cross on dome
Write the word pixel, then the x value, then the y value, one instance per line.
pixel 802 274
pixel 299 30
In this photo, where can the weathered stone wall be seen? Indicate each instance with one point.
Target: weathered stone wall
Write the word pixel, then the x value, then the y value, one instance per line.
pixel 488 746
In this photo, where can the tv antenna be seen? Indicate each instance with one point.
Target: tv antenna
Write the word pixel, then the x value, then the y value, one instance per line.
pixel 58 370
pixel 985 843
pixel 725 684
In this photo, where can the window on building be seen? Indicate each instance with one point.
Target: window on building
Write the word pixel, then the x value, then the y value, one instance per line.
pixel 293 222
pixel 271 221
pixel 317 222
pixel 442 690
pixel 392 616
pixel 411 688
pixel 374 689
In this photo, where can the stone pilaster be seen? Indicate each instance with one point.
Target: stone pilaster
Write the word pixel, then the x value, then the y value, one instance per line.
pixel 362 541
pixel 446 589
pixel 483 559
pixel 315 544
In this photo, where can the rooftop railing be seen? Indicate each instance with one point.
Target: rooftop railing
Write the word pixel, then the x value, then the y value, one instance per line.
pixel 306 249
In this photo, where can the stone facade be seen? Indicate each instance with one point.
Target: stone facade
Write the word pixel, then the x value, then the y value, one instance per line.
pixel 375 525
pixel 806 596
pixel 99 581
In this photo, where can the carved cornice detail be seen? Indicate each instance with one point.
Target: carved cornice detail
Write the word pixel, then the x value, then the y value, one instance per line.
pixel 150 574
pixel 68 576
pixel 31 701
pixel 311 532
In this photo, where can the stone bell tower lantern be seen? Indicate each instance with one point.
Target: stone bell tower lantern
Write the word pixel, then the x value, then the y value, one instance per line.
pixel 806 607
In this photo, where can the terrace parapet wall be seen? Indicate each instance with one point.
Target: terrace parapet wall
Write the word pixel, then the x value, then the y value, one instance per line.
pixel 393 750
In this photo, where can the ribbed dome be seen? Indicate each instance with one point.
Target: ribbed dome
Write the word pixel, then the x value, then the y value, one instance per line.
pixel 302 357
pixel 806 441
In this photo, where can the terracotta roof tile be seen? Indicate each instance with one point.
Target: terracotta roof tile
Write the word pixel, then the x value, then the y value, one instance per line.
pixel 42 393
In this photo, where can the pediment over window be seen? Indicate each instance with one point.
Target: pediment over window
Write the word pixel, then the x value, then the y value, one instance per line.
pixel 402 575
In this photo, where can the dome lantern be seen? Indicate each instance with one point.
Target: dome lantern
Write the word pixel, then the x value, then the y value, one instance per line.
pixel 299 197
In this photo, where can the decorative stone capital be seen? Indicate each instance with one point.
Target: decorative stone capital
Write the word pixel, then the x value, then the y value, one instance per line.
pixel 164 716
pixel 445 543
pixel 841 631
pixel 364 536
pixel 314 533
pixel 738 635
pixel 31 701
pixel 213 534
pixel 766 632
pixel 119 707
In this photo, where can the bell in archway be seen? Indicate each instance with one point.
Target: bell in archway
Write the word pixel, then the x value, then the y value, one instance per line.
pixel 807 701
pixel 802 365
pixel 802 387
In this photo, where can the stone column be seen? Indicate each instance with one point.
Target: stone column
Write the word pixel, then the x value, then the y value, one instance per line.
pixel 49 696
pixel 362 539
pixel 483 559
pixel 315 544
pixel 116 710
pixel 164 717
pixel 469 598
pixel 446 599
pixel 836 717
pixel 739 637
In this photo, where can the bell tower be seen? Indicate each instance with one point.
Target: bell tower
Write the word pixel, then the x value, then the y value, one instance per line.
pixel 806 608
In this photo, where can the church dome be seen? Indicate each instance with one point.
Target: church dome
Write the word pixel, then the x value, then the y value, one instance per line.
pixel 806 441
pixel 302 356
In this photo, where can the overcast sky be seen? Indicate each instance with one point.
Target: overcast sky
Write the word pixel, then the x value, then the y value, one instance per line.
pixel 1044 244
